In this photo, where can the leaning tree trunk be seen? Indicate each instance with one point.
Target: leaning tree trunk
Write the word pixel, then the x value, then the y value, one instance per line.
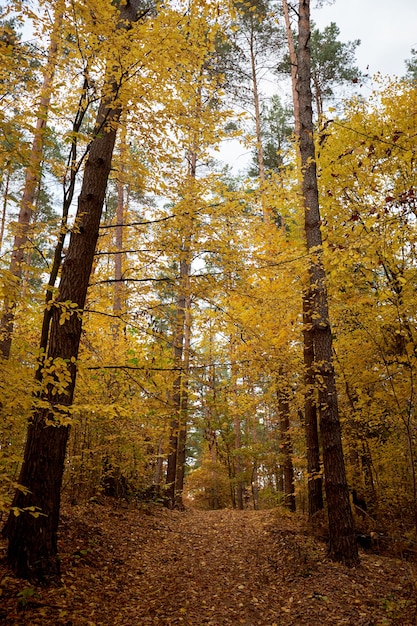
pixel 342 543
pixel 32 534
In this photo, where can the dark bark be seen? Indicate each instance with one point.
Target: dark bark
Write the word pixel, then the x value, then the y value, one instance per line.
pixel 342 543
pixel 315 481
pixel 181 347
pixel 314 477
pixel 72 169
pixel 177 442
pixel 32 549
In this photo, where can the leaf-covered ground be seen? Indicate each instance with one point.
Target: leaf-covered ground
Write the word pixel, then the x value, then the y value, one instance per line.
pixel 136 567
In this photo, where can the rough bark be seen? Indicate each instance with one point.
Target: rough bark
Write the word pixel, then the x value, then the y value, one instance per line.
pixel 32 548
pixel 286 448
pixel 314 476
pixel 176 456
pixel 342 543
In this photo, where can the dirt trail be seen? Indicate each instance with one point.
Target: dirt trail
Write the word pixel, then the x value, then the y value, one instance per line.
pixel 195 568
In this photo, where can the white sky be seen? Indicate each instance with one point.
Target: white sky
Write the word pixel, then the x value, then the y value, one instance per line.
pixel 387 30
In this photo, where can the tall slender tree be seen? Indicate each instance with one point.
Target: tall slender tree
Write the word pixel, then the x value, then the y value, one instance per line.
pixel 342 542
pixel 314 477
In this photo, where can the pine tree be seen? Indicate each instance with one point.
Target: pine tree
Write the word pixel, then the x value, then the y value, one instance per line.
pixel 342 542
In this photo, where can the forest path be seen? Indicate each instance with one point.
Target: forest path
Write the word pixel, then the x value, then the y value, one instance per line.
pixel 126 567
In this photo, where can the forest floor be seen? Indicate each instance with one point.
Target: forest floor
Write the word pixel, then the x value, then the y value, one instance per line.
pixel 134 567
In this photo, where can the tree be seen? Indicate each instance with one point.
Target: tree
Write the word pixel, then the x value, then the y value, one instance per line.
pixel 368 180
pixel 31 528
pixel 286 447
pixel 332 64
pixel 332 61
pixel 342 542
pixel 257 36
pixel 31 185
pixel 314 477
pixel 276 133
pixel 411 65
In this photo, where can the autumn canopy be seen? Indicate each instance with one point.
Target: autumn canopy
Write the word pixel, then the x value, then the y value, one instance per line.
pixel 174 331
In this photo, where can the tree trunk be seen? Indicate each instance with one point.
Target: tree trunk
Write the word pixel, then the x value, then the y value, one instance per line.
pixel 4 208
pixel 342 542
pixel 176 456
pixel 286 448
pixel 118 257
pixel 319 99
pixel 314 477
pixel 256 103
pixel 182 439
pixel 239 487
pixel 294 70
pixel 118 295
pixel 182 339
pixel 32 549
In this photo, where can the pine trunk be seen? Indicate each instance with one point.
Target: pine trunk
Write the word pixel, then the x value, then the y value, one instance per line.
pixel 314 477
pixel 181 348
pixel 257 107
pixel 294 71
pixel 315 481
pixel 342 543
pixel 286 448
